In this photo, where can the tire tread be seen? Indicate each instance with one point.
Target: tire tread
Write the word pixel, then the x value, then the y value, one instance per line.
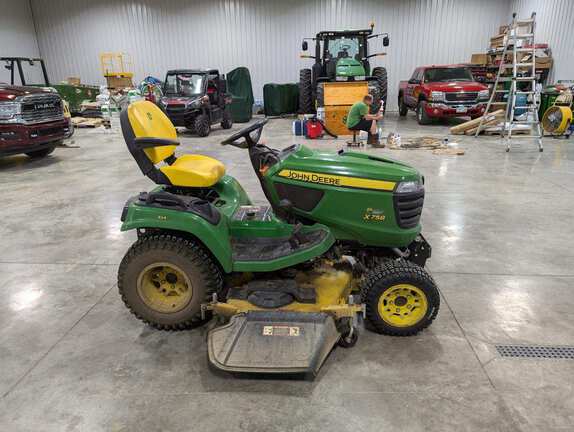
pixel 184 247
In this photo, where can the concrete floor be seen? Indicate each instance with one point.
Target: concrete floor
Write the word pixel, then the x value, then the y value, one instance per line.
pixel 74 359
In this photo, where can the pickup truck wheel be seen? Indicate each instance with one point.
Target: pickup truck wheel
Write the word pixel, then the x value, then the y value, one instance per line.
pixel 422 115
pixel 201 125
pixel 403 109
pixel 37 154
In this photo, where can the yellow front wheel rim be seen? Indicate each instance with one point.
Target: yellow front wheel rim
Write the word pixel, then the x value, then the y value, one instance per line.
pixel 403 305
pixel 164 288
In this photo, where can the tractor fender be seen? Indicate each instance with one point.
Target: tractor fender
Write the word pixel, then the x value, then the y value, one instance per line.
pixel 214 237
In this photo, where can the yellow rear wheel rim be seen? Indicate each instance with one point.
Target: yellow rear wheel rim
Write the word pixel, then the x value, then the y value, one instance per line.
pixel 164 287
pixel 403 305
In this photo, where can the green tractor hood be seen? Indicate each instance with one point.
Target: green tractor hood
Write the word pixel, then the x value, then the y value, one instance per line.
pixel 349 67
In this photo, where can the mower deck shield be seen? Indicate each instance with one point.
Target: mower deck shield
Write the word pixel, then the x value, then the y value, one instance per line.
pixel 274 342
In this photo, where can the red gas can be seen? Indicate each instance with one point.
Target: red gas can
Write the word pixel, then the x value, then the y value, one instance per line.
pixel 314 129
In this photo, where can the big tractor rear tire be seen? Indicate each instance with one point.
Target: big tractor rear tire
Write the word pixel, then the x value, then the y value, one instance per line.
pixel 163 280
pixel 201 125
pixel 376 105
pixel 305 92
pixel 401 298
pixel 381 74
pixel 320 98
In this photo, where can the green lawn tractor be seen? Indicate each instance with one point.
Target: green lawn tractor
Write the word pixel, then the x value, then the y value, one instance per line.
pixel 283 283
pixel 33 72
pixel 341 56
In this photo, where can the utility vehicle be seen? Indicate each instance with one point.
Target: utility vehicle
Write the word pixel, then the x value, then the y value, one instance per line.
pixel 196 99
pixel 442 91
pixel 341 237
pixel 342 56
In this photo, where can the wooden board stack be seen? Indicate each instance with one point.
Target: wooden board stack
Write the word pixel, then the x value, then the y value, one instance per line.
pixel 470 127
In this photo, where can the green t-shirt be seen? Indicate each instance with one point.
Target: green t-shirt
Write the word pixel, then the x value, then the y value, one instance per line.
pixel 356 113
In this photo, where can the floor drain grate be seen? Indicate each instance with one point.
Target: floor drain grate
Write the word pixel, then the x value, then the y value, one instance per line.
pixel 536 351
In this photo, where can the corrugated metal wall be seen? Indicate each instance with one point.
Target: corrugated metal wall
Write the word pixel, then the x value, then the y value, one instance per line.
pixel 262 35
pixel 17 34
pixel 554 25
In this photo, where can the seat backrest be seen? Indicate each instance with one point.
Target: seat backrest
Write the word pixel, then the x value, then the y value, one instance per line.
pixel 143 119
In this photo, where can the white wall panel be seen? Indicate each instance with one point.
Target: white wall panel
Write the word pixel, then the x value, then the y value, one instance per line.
pixel 17 33
pixel 263 35
pixel 554 25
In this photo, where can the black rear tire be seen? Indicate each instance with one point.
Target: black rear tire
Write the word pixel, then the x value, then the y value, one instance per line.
pixel 201 125
pixel 422 116
pixel 227 121
pixel 305 92
pixel 381 74
pixel 38 154
pixel 188 256
pixel 404 281
pixel 403 108
pixel 320 95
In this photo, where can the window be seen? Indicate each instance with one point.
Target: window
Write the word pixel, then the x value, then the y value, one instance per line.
pixel 447 74
pixel 184 84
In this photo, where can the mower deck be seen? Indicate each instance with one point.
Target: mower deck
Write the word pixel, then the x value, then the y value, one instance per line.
pixel 277 342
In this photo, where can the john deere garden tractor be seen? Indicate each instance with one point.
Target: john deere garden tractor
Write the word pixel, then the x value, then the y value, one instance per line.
pixel 342 56
pixel 285 282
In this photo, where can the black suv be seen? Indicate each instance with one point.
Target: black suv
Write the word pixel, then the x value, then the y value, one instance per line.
pixel 196 99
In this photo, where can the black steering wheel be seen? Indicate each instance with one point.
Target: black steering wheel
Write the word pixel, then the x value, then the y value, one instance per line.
pixel 245 133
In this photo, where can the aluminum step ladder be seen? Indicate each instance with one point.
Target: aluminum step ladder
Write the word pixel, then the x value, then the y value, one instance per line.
pixel 520 40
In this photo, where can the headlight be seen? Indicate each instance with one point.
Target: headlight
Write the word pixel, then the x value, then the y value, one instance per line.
pixel 360 78
pixel 341 78
pixel 437 96
pixel 195 104
pixel 409 187
pixel 483 94
pixel 9 110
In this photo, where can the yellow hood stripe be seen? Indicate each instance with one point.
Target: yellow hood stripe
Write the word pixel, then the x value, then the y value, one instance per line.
pixel 335 180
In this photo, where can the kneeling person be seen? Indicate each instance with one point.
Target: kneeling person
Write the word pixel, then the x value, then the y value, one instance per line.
pixel 359 119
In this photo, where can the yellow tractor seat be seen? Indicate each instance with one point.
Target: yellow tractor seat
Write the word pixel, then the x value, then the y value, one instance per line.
pixel 194 171
pixel 151 138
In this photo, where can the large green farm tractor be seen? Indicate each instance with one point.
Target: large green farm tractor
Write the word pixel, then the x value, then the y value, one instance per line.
pixel 341 56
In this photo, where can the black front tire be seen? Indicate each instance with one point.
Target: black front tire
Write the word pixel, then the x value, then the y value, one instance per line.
pixel 404 281
pixel 381 74
pixel 376 105
pixel 403 108
pixel 38 154
pixel 197 265
pixel 227 121
pixel 305 92
pixel 201 125
pixel 422 116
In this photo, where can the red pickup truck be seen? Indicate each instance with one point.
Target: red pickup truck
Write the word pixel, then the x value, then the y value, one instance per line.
pixel 32 120
pixel 442 91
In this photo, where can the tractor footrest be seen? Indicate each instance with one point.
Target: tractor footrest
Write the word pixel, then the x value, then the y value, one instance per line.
pixel 274 342
pixel 270 248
